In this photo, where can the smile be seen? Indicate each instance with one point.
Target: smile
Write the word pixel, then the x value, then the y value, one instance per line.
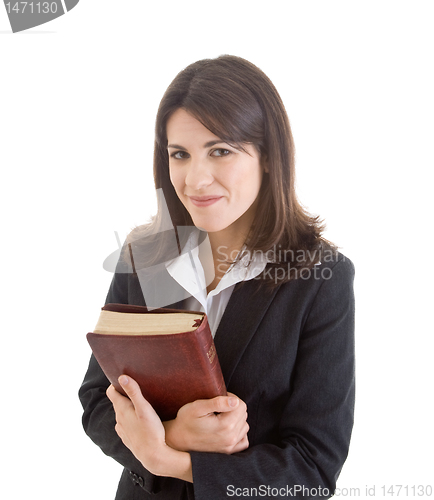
pixel 204 201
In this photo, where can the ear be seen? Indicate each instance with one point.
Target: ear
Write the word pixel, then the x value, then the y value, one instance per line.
pixel 264 162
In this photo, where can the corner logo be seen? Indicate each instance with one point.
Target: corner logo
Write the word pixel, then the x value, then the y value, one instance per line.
pixel 25 15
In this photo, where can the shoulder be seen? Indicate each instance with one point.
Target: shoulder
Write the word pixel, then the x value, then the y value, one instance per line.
pixel 333 300
pixel 335 266
pixel 323 286
pixel 333 276
pixel 330 265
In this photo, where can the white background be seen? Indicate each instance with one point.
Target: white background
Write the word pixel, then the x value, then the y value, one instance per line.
pixel 78 98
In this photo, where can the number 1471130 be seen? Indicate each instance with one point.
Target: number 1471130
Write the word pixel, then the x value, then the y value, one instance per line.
pixel 405 490
pixel 31 7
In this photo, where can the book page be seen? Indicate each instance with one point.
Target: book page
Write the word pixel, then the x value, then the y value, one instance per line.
pixel 117 323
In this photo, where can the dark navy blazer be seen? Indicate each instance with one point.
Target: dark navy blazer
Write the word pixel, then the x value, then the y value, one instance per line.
pixel 289 354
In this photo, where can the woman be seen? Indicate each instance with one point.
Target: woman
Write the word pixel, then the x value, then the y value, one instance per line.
pixel 279 299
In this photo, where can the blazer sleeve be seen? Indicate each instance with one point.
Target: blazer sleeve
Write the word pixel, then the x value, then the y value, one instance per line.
pixel 316 423
pixel 99 417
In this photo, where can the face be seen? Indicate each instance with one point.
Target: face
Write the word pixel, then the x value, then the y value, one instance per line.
pixel 216 182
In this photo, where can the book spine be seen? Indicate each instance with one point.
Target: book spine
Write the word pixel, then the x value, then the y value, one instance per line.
pixel 210 361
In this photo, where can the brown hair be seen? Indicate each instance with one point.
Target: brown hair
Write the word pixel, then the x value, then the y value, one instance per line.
pixel 238 103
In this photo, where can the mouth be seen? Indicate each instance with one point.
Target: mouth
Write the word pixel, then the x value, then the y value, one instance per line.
pixel 204 201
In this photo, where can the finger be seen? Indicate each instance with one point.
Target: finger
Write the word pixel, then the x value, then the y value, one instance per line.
pixel 240 426
pixel 114 396
pixel 109 392
pixel 132 390
pixel 245 430
pixel 120 402
pixel 243 444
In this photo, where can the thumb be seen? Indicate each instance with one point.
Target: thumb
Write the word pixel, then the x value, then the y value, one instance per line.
pixel 218 404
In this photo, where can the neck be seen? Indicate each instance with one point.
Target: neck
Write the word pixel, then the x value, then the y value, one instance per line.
pixel 225 247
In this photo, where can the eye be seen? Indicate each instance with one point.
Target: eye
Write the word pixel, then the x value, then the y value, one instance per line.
pixel 221 152
pixel 179 155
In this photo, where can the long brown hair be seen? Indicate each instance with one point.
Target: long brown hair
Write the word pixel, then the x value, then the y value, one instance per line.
pixel 238 103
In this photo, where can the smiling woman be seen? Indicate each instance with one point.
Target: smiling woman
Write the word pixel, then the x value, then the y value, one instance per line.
pixel 279 303
pixel 236 104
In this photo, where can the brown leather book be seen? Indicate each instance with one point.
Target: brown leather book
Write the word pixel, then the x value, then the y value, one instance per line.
pixel 169 352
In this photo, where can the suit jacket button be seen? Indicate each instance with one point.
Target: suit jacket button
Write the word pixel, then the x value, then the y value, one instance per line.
pixel 140 481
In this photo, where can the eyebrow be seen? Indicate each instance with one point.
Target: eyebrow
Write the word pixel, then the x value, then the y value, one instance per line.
pixel 206 145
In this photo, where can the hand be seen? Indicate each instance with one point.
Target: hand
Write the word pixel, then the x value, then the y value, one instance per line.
pixel 197 428
pixel 142 431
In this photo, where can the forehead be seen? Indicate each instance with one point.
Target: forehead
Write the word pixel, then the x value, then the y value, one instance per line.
pixel 183 125
pixel 185 131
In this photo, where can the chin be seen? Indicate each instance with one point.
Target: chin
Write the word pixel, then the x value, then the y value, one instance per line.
pixel 209 226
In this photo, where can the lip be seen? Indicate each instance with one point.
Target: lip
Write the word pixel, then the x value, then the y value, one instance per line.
pixel 204 201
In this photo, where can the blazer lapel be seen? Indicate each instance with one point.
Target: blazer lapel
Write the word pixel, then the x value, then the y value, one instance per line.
pixel 246 308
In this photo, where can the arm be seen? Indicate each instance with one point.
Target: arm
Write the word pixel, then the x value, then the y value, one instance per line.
pixel 142 431
pixel 196 426
pixel 218 425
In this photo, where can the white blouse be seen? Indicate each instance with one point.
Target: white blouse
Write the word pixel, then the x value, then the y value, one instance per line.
pixel 214 303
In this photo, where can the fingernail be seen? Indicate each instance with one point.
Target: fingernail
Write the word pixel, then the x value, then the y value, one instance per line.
pixel 233 401
pixel 123 380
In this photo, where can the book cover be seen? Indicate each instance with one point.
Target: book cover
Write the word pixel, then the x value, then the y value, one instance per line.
pixel 171 369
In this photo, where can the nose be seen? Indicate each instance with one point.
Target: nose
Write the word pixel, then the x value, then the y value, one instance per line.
pixel 199 175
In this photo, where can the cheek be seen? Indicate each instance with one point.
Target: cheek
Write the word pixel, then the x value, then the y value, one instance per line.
pixel 175 179
pixel 250 184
